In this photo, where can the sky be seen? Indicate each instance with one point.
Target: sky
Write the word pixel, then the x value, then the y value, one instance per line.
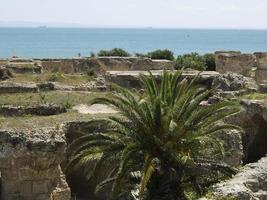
pixel 213 14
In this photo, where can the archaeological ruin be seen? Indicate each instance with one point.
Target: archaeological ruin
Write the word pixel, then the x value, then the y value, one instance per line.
pixel 43 107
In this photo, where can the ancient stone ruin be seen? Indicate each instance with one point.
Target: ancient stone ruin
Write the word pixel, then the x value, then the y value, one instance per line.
pixel 234 62
pixel 30 165
pixel 32 160
pixel 261 71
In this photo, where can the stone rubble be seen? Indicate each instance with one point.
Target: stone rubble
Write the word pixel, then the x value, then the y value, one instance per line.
pixel 41 110
pixel 249 184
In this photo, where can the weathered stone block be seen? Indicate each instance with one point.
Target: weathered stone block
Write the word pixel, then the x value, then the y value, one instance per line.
pixel 30 169
pixel 234 62
pixel 39 187
pixel 10 187
pixel 26 187
pixel 261 59
pixel 261 75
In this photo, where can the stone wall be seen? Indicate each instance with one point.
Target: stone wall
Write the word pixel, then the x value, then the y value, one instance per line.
pixel 261 71
pixel 12 87
pixel 39 110
pixel 101 64
pixel 130 79
pixel 234 62
pixel 253 120
pixel 30 165
pixel 23 68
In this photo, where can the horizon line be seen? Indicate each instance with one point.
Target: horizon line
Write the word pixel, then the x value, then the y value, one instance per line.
pixel 133 27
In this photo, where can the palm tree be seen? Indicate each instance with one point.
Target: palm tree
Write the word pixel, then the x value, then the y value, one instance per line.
pixel 162 134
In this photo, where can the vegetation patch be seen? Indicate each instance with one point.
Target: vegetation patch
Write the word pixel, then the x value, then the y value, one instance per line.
pixel 37 122
pixel 62 98
pixel 66 79
pixel 113 52
pixel 255 96
pixel 196 61
pixel 163 142
pixel 161 54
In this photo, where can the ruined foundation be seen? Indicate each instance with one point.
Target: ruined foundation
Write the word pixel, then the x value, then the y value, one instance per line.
pixel 30 166
pixel 234 62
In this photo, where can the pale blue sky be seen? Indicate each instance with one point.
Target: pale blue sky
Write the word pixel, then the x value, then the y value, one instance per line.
pixel 237 14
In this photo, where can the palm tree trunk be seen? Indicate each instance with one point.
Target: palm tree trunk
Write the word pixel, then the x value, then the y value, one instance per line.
pixel 165 184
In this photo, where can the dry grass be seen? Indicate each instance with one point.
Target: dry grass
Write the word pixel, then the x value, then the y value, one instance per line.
pixel 36 122
pixel 255 96
pixel 63 98
pixel 67 79
pixel 67 99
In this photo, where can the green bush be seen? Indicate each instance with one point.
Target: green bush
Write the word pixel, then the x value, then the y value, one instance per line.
pixel 114 52
pixel 56 77
pixel 161 54
pixel 209 60
pixel 193 61
pixel 92 54
pixel 141 55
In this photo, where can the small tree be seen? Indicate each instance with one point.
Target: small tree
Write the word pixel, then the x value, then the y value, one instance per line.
pixel 161 54
pixel 193 61
pixel 209 60
pixel 114 52
pixel 162 133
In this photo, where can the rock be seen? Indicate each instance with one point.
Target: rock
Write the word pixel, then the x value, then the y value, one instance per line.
pixel 91 86
pixel 12 87
pixel 5 73
pixel 234 82
pixel 46 86
pixel 41 110
pixel 22 68
pixel 130 79
pixel 263 88
pixel 162 64
pixel 99 65
pixel 149 64
pixel 234 62
pixel 261 59
pixel 249 184
pixel 232 143
pixel 30 164
pixel 231 85
pixel 253 120
pixel 261 75
pixel 141 64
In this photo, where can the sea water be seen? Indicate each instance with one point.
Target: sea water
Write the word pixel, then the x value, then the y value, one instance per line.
pixel 69 42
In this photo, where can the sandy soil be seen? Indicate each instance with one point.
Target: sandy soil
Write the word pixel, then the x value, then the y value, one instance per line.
pixel 93 109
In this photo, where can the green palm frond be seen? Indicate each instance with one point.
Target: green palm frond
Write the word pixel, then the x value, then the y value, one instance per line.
pixel 165 123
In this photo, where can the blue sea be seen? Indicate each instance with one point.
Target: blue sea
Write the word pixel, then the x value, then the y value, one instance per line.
pixel 68 42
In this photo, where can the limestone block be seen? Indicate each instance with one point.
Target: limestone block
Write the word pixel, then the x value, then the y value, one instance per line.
pixel 234 62
pixel 26 187
pixel 39 187
pixel 261 75
pixel 261 59
pixel 31 164
pixel 247 184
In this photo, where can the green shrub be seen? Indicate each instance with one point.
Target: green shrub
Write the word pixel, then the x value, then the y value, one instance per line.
pixel 92 54
pixel 161 54
pixel 57 77
pixel 114 52
pixel 141 55
pixel 209 60
pixel 193 61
